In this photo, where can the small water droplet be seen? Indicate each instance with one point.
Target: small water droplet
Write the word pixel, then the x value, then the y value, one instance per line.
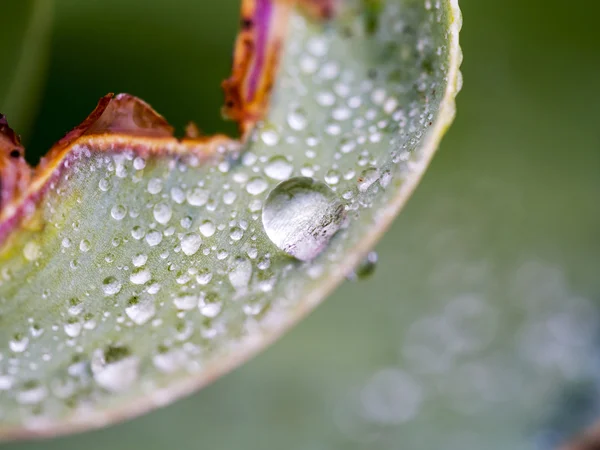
pixel 301 216
pixel 139 163
pixel 197 197
pixel 240 273
pixel 155 186
pixel 204 276
pixel 84 246
pixel 72 328
pixel 186 302
pixel 162 213
pixel 18 343
pixel 332 177
pixel 207 228
pixel 367 178
pixel 115 368
pixel 154 238
pixel 111 286
pixel 139 260
pixel 256 186
pixel 140 309
pixel 278 168
pixel 140 276
pixel 118 212
pixel 32 251
pixel 210 305
pixel 31 393
pixel 366 268
pixel 297 119
pixel 190 243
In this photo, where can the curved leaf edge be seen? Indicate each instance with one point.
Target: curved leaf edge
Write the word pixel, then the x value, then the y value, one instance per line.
pixel 247 111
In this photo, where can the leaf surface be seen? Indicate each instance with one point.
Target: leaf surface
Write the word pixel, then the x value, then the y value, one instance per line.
pixel 137 267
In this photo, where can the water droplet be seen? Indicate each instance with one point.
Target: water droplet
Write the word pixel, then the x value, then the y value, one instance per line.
pixel 154 238
pixel 155 186
pixel 186 302
pixel 140 309
pixel 84 246
pixel 332 177
pixel 210 305
pixel 197 197
pixel 256 186
pixel 367 178
pixel 75 307
pixel 32 251
pixel 236 234
pixel 139 163
pixel 301 216
pixel 207 228
pixel 118 212
pixel 297 119
pixel 204 276
pixel 278 168
pixel 111 286
pixel 140 276
pixel 72 328
pixel 366 268
pixel 190 243
pixel 31 393
pixel 139 260
pixel 115 369
pixel 162 213
pixel 240 273
pixel 269 136
pixel 18 343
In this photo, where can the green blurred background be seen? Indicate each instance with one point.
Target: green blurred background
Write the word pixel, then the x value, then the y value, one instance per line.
pixel 508 214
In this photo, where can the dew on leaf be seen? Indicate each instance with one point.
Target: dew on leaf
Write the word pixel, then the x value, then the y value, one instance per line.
pixel 186 302
pixel 118 212
pixel 366 268
pixel 162 213
pixel 140 309
pixel 207 228
pixel 279 168
pixel 256 186
pixel 301 215
pixel 210 304
pixel 197 196
pixel 32 251
pixel 240 273
pixel 114 368
pixel 190 243
pixel 111 286
pixel 140 276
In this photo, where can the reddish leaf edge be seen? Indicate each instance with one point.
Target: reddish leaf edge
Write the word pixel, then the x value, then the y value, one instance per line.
pixel 124 121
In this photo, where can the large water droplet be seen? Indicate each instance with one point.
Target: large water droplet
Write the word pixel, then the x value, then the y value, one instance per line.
pixel 301 215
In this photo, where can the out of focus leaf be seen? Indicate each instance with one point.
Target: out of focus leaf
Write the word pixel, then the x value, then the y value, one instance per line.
pixel 24 32
pixel 137 267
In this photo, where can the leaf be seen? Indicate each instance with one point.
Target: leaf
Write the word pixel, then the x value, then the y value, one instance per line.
pixel 137 267
pixel 26 26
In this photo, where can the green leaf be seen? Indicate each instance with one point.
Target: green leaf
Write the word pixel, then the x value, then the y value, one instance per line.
pixel 25 30
pixel 137 268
